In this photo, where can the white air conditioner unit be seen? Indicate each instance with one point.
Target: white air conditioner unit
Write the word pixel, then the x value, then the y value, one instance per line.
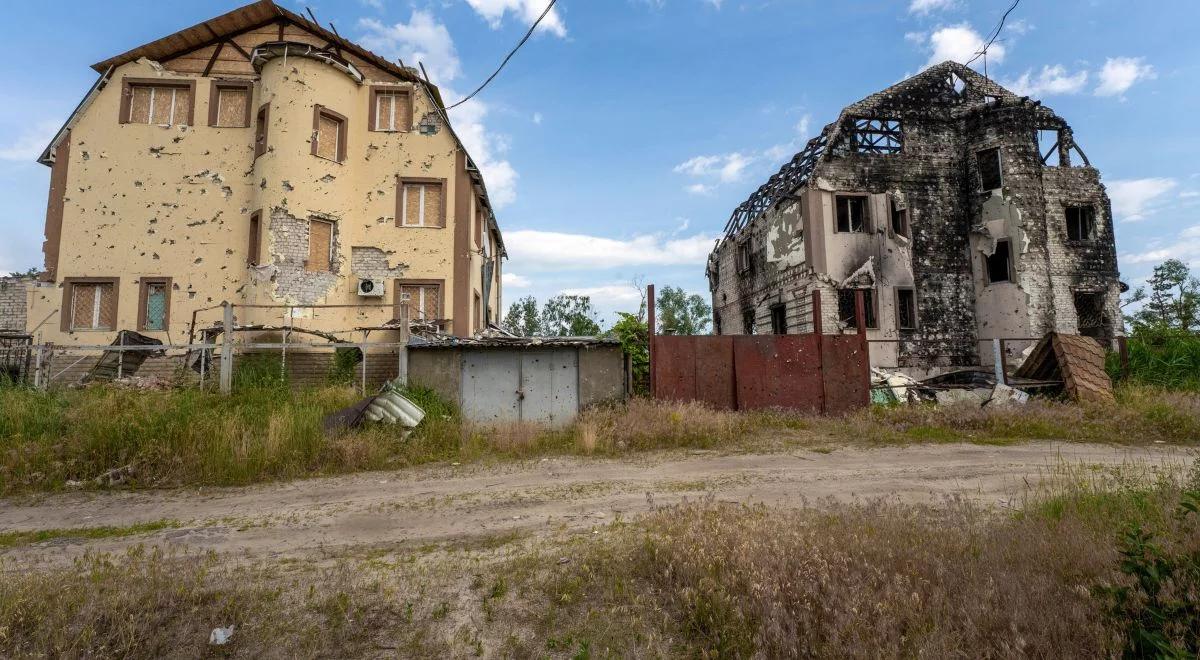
pixel 370 288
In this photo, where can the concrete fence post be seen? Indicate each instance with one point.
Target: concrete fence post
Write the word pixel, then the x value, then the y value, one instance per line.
pixel 402 351
pixel 227 349
pixel 998 359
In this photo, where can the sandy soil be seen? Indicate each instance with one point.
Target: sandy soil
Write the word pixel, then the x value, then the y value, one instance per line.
pixel 356 513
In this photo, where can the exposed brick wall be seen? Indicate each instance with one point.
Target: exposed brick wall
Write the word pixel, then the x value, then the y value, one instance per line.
pixel 289 253
pixel 13 303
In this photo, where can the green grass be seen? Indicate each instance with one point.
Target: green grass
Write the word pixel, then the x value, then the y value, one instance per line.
pixel 1166 361
pixel 13 539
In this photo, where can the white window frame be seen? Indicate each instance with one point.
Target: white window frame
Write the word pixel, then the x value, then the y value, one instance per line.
pixel 421 289
pixel 420 205
pixel 154 93
pixel 379 97
pixel 96 300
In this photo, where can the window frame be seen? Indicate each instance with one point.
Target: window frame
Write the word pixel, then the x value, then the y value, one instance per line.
pixel 916 316
pixel 987 266
pixel 1091 222
pixel 67 310
pixel 866 213
pixel 402 201
pixel 214 101
pixel 397 296
pixel 254 248
pixel 143 289
pixel 744 257
pixel 400 124
pixel 898 212
pixel 320 111
pixel 999 168
pixel 332 245
pixel 870 307
pixel 260 137
pixel 127 85
pixel 778 319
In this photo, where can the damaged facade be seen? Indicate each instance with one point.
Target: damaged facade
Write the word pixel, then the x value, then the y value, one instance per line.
pixel 965 212
pixel 261 159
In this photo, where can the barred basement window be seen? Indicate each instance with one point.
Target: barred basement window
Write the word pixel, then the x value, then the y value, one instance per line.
pixel 1081 223
pixel 877 136
pixel 852 214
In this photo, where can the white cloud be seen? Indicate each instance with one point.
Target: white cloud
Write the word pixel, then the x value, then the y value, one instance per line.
pixel 532 249
pixel 31 142
pixel 424 39
pixel 1186 248
pixel 1133 199
pixel 927 6
pixel 1120 73
pixel 1189 194
pixel 514 281
pixel 374 4
pixel 537 118
pixel 1052 80
pixel 527 11
pixel 725 167
pixel 608 294
pixel 960 43
pixel 802 126
pixel 699 189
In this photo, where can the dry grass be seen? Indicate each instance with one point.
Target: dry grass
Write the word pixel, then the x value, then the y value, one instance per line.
pixel 870 580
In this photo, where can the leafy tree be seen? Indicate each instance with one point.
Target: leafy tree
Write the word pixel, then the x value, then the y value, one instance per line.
pixel 631 330
pixel 681 314
pixel 523 318
pixel 1172 302
pixel 569 316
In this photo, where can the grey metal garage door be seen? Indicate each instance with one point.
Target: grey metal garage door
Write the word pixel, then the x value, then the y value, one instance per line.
pixel 528 386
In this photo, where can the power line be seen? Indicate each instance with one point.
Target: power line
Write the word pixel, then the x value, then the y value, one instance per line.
pixel 995 33
pixel 509 57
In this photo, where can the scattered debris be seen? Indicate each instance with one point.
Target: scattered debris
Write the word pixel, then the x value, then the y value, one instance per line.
pixel 388 406
pixel 1075 361
pixel 221 636
pixel 116 476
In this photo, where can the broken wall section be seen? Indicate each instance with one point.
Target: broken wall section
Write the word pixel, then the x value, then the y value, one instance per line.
pixel 14 303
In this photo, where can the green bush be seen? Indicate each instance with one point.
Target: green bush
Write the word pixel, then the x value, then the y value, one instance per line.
pixel 1165 360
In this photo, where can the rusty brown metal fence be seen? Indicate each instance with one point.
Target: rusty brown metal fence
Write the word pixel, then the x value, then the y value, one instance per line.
pixel 814 373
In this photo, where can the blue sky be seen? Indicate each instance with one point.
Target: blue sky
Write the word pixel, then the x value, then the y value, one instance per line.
pixel 619 139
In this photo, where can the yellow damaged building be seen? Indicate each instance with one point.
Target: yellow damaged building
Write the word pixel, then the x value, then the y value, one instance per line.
pixel 260 159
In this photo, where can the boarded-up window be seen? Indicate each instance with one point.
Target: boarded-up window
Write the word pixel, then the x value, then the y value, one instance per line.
pixel 260 131
pixel 392 111
pixel 159 104
pixel 424 301
pixel 329 135
pixel 155 304
pixel 252 253
pixel 232 107
pixel 320 246
pixel 423 205
pixel 93 306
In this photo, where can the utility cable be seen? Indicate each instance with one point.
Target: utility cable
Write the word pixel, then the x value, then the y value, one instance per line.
pixel 995 33
pixel 509 57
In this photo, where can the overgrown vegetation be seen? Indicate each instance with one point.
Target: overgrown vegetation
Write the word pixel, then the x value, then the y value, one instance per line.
pixel 268 431
pixel 1105 571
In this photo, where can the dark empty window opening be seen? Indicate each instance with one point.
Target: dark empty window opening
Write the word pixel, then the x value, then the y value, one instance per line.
pixel 779 319
pixel 999 263
pixel 906 309
pixel 899 220
pixel 989 169
pixel 716 324
pixel 1089 310
pixel 877 136
pixel 260 130
pixel 744 260
pixel 1081 223
pixel 748 321
pixel 847 311
pixel 851 214
pixel 253 252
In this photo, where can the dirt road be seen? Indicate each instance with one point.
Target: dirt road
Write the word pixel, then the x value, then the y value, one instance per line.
pixel 355 513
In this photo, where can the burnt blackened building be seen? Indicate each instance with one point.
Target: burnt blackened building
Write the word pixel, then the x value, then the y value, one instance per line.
pixel 963 211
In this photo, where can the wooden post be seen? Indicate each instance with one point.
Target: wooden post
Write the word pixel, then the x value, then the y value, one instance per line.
pixel 402 351
pixel 227 349
pixel 650 333
pixel 1123 352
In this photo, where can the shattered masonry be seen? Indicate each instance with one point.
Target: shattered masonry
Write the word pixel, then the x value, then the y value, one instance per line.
pixel 945 195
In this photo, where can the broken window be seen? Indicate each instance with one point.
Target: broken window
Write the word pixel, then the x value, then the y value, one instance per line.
pixel 989 169
pixel 422 204
pixel 252 252
pixel 391 110
pixel 748 321
pixel 1049 143
pixel 906 309
pixel 1081 223
pixel 260 130
pixel 229 105
pixel 93 305
pixel 1089 312
pixel 779 319
pixel 162 105
pixel 877 136
pixel 848 311
pixel 320 246
pixel 154 304
pixel 329 135
pixel 423 299
pixel 851 213
pixel 744 257
pixel 999 263
pixel 899 219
